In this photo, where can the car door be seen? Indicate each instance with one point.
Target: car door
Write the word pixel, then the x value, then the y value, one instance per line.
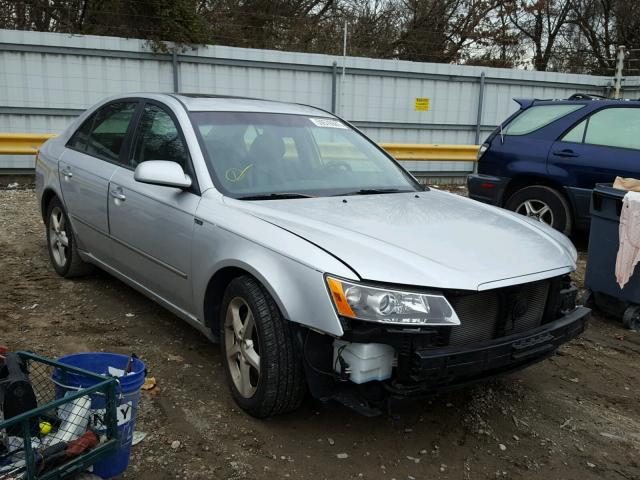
pixel 151 226
pixel 92 156
pixel 600 147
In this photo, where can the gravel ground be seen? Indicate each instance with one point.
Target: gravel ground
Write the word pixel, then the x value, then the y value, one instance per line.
pixel 574 416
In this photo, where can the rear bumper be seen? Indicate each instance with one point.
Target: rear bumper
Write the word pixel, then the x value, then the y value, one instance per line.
pixel 443 368
pixel 487 188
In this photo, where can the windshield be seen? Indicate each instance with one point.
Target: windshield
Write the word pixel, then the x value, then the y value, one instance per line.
pixel 264 154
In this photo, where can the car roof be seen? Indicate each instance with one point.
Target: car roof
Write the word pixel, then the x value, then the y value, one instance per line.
pixel 196 102
pixel 580 99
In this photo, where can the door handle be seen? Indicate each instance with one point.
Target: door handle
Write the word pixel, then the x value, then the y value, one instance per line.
pixel 66 171
pixel 566 153
pixel 118 194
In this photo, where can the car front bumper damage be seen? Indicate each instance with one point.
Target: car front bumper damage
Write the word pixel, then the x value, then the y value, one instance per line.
pixel 434 369
pixel 439 368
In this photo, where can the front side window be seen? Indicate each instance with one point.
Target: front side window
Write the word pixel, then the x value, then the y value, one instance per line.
pixel 109 129
pixel 614 127
pixel 536 117
pixel 158 138
pixel 254 154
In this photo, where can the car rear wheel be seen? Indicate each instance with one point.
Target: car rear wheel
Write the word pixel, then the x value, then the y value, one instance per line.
pixel 544 204
pixel 61 243
pixel 261 357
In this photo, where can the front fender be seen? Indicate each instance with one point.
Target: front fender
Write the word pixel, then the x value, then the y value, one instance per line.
pixel 290 268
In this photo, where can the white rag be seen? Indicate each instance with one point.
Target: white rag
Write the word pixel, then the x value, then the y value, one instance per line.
pixel 629 247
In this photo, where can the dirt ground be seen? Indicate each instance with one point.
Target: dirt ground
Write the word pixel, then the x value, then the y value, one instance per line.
pixel 574 416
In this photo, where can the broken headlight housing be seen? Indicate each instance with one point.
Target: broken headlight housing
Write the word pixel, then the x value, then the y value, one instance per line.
pixel 390 306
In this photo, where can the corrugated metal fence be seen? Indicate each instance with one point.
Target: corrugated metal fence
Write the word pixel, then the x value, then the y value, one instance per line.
pixel 47 79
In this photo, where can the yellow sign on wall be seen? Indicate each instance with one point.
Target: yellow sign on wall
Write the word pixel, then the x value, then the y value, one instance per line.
pixel 422 104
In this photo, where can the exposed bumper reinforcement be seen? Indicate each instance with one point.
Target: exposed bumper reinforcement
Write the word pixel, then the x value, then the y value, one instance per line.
pixel 454 366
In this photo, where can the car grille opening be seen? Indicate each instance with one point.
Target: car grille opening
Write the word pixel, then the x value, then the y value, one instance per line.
pixel 500 312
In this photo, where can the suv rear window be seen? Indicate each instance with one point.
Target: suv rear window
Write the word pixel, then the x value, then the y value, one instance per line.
pixel 537 117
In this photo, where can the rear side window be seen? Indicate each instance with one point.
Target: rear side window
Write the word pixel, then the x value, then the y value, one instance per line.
pixel 102 135
pixel 536 117
pixel 79 139
pixel 109 130
pixel 576 134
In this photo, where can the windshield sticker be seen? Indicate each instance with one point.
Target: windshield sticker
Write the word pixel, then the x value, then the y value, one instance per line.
pixel 327 123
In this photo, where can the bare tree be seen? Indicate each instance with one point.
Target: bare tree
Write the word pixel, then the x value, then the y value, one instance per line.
pixel 440 30
pixel 563 35
pixel 541 22
pixel 500 43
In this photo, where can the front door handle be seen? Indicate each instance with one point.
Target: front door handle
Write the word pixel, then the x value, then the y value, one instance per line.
pixel 118 194
pixel 566 153
pixel 66 171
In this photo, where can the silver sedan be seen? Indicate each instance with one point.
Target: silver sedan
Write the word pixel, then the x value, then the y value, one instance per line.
pixel 316 260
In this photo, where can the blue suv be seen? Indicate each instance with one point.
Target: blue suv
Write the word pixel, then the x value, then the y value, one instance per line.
pixel 545 159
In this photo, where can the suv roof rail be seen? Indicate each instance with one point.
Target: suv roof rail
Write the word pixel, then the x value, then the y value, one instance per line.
pixel 586 96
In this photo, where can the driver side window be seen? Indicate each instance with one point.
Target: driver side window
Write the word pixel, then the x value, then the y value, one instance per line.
pixel 158 138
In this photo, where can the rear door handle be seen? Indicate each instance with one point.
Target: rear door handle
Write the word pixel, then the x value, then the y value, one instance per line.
pixel 566 153
pixel 66 171
pixel 118 194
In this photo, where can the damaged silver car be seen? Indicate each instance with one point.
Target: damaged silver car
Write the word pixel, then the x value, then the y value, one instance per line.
pixel 306 250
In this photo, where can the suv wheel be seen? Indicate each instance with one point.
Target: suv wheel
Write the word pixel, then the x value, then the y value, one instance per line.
pixel 544 204
pixel 61 243
pixel 261 357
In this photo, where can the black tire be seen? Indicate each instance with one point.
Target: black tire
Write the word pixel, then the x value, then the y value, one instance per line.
pixel 631 317
pixel 280 385
pixel 587 299
pixel 559 214
pixel 73 265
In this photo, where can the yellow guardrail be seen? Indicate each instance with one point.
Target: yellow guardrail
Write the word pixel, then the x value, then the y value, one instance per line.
pixel 22 143
pixel 29 143
pixel 433 152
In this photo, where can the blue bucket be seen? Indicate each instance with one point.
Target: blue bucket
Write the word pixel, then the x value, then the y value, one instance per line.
pixel 127 398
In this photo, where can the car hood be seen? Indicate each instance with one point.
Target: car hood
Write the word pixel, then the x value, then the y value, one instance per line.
pixel 431 238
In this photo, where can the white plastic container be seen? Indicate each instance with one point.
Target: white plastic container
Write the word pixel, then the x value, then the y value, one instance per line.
pixel 74 421
pixel 367 361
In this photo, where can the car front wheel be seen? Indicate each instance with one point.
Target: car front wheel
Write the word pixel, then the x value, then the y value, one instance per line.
pixel 544 204
pixel 261 356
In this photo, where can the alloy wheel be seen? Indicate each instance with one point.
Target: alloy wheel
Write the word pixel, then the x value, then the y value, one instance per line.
pixel 536 209
pixel 242 347
pixel 58 237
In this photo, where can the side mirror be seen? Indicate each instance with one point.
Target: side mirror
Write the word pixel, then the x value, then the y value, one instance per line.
pixel 163 173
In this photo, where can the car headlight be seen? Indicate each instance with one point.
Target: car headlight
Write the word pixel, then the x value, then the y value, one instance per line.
pixel 383 305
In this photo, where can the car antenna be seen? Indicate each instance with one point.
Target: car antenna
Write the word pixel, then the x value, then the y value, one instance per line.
pixel 501 135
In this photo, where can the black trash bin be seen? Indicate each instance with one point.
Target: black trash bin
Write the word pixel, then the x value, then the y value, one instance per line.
pixel 600 279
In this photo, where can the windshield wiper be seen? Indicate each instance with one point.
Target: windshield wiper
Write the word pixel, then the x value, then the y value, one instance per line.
pixel 373 191
pixel 275 196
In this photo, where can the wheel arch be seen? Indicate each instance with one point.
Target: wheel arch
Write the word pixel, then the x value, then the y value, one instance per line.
pixel 215 292
pixel 47 195
pixel 299 292
pixel 523 181
pixel 217 285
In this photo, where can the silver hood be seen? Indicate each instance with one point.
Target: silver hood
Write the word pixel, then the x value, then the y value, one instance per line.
pixel 431 239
